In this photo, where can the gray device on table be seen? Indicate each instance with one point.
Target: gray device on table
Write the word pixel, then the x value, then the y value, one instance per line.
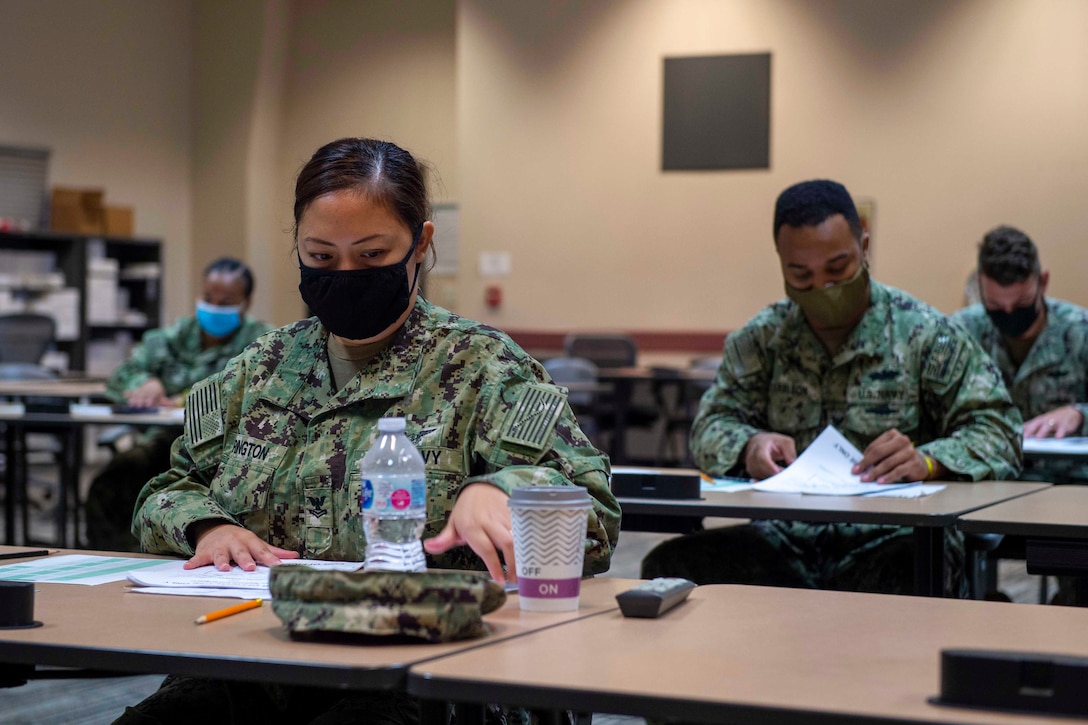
pixel 653 598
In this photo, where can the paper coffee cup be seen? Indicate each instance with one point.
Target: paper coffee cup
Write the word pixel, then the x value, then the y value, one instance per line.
pixel 549 545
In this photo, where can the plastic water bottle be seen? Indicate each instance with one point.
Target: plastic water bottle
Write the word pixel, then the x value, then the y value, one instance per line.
pixel 394 501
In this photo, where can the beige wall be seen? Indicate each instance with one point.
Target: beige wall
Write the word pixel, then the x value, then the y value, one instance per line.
pixel 107 86
pixel 543 122
pixel 239 58
pixel 951 116
pixel 382 69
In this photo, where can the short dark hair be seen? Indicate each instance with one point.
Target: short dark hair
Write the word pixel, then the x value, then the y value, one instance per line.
pixel 382 170
pixel 810 203
pixel 230 265
pixel 1006 255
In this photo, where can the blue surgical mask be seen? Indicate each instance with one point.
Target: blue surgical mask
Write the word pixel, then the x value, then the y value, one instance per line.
pixel 218 320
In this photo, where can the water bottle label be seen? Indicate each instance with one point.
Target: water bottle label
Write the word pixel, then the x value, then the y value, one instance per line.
pixel 400 499
pixel 380 495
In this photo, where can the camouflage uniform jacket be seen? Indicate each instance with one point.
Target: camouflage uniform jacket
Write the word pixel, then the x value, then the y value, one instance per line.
pixel 173 355
pixel 904 366
pixel 1054 373
pixel 270 445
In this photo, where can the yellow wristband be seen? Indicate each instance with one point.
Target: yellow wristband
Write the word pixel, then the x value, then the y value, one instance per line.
pixel 929 466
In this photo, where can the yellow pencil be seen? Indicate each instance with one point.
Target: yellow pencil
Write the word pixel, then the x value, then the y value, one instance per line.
pixel 220 613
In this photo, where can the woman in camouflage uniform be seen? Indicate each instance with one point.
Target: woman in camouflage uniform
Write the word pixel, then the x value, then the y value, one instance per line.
pixel 267 466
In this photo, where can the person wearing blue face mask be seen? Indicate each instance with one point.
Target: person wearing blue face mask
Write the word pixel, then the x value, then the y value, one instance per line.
pixel 158 373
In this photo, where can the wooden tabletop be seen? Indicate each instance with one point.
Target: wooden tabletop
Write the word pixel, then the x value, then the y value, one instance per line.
pixel 938 509
pixel 160 417
pixel 1059 512
pixel 108 627
pixel 744 654
pixel 59 388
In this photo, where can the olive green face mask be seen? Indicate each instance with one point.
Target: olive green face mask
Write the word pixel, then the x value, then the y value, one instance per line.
pixel 835 306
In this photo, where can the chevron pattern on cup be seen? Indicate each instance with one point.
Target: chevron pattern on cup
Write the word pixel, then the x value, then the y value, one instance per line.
pixel 549 538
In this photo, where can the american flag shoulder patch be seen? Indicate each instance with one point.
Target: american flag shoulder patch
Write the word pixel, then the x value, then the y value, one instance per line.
pixel 203 412
pixel 531 421
pixel 944 360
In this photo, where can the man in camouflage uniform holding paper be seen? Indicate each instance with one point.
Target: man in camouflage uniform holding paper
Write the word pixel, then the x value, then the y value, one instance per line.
pixel 1039 344
pixel 914 393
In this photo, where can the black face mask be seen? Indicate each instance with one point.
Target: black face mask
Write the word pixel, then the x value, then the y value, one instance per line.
pixel 357 304
pixel 1016 323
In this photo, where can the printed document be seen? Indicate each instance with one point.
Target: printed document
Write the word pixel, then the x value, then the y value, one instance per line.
pixel 207 581
pixel 824 468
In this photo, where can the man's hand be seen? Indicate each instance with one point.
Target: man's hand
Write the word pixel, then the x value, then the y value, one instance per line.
pixel 151 394
pixel 892 458
pixel 768 453
pixel 1058 423
pixel 481 519
pixel 220 545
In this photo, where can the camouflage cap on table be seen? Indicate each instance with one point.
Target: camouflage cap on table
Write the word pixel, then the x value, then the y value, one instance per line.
pixel 436 606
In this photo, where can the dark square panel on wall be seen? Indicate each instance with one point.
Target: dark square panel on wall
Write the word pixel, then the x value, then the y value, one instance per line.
pixel 717 112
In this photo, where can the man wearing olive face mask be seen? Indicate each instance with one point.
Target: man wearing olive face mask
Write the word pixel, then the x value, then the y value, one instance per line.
pixel 1039 344
pixel 158 372
pixel 910 389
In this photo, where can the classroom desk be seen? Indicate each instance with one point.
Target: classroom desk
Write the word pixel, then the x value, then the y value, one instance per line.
pixel 79 388
pixel 1054 518
pixel 929 515
pixel 69 427
pixel 759 655
pixel 106 628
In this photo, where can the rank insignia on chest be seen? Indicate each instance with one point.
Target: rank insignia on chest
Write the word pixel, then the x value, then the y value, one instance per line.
pixel 203 412
pixel 533 417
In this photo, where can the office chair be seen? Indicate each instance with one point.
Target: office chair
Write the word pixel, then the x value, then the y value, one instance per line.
pixel 604 351
pixel 680 416
pixel 566 370
pixel 25 337
pixel 615 351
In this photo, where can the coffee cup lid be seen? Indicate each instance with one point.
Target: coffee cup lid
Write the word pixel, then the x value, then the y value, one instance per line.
pixel 567 497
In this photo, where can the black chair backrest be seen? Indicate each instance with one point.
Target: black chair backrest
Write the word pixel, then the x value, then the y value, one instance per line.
pixel 25 337
pixel 604 351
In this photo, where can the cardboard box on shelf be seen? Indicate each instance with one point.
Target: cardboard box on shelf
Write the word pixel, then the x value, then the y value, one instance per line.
pixel 120 221
pixel 79 211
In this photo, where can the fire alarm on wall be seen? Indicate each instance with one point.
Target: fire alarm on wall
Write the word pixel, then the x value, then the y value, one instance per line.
pixel 493 295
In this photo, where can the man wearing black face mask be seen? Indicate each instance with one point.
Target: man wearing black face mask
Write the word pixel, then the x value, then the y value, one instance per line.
pixel 1040 344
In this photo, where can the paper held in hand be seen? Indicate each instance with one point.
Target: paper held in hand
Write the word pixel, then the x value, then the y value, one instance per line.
pixel 824 469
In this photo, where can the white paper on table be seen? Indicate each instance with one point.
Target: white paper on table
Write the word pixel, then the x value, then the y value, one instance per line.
pixel 1075 444
pixel 205 592
pixel 916 490
pixel 171 574
pixel 824 469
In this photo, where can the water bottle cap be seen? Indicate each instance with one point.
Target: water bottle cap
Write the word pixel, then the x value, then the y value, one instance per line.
pixel 391 425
